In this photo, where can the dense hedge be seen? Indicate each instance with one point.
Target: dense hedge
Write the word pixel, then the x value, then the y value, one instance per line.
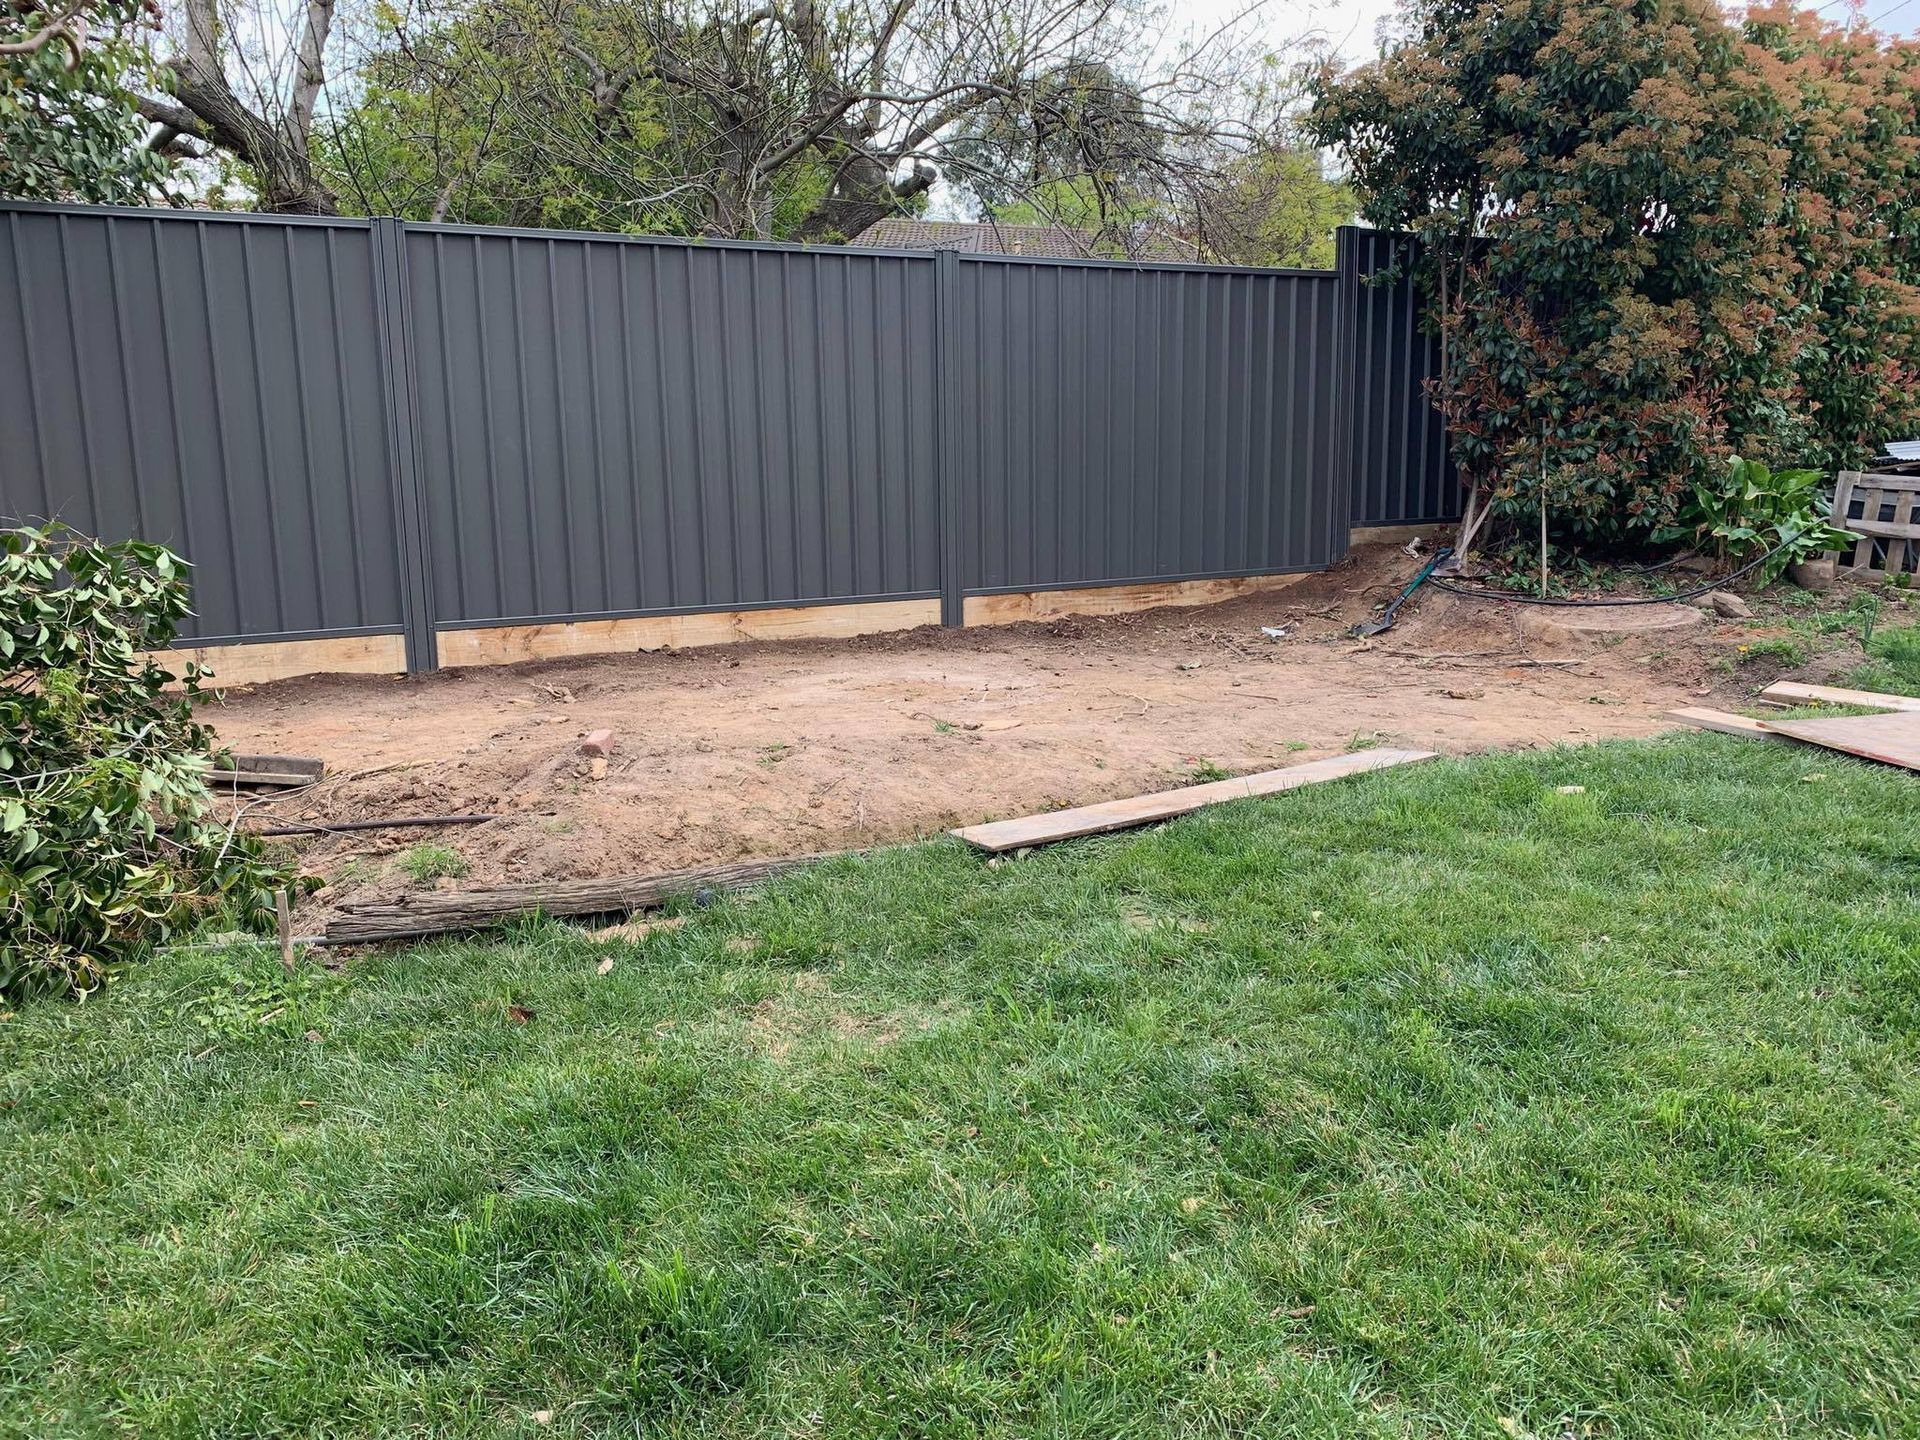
pixel 1657 238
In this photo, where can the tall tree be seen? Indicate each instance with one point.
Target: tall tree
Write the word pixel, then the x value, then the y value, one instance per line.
pixel 1850 154
pixel 245 82
pixel 790 119
pixel 1597 181
pixel 1274 205
pixel 1079 146
pixel 1656 236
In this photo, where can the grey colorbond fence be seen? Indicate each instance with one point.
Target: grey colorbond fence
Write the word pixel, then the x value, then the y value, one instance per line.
pixel 360 427
pixel 1127 424
pixel 1401 473
pixel 610 428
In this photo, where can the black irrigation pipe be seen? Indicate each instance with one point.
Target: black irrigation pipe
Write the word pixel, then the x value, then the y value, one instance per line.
pixel 1658 565
pixel 1474 592
pixel 400 824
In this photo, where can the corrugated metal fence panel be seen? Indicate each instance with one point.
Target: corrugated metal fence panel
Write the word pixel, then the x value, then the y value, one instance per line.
pixel 619 426
pixel 212 384
pixel 352 425
pixel 1122 424
pixel 1402 473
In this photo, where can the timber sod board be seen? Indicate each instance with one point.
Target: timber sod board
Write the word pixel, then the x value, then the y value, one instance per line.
pixel 1800 694
pixel 1724 721
pixel 999 836
pixel 1891 739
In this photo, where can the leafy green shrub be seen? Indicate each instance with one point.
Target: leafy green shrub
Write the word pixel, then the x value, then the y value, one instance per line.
pixel 1654 236
pixel 108 841
pixel 1755 508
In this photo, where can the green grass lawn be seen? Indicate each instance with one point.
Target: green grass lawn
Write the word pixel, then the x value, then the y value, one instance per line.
pixel 1438 1103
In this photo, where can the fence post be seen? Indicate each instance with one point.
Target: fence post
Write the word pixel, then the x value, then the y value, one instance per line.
pixel 947 365
pixel 410 510
pixel 1346 248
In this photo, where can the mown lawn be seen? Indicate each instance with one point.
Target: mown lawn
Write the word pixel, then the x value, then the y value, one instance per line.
pixel 1438 1103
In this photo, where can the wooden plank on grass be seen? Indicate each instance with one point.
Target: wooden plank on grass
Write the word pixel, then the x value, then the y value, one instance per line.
pixel 1892 739
pixel 1724 721
pixel 1833 695
pixel 441 912
pixel 1002 835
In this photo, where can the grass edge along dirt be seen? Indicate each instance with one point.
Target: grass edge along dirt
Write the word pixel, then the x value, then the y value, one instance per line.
pixel 1434 1102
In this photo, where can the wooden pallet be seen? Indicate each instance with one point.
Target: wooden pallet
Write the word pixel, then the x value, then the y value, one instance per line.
pixel 1884 511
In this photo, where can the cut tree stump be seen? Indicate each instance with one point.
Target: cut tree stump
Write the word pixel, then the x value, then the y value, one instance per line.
pixel 443 912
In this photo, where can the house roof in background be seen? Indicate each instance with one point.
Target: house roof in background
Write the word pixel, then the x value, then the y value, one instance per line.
pixel 989 237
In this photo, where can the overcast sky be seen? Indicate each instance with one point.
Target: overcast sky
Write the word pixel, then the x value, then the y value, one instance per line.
pixel 1353 24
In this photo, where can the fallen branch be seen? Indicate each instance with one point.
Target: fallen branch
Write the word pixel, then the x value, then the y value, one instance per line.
pixel 442 912
pixel 402 822
pixel 1449 654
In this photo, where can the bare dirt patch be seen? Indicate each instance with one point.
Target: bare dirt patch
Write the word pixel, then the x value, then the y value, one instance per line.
pixel 804 1011
pixel 782 748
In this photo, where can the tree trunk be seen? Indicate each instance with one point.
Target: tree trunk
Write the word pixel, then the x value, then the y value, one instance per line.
pixel 864 196
pixel 276 148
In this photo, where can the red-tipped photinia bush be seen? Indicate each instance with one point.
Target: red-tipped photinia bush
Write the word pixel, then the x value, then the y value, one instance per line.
pixel 1655 238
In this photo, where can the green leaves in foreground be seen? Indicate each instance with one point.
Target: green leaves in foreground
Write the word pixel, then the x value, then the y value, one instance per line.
pixel 1434 1103
pixel 107 837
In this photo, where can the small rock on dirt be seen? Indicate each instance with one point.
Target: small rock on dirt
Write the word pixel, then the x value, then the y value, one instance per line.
pixel 1816 574
pixel 1729 606
pixel 598 742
